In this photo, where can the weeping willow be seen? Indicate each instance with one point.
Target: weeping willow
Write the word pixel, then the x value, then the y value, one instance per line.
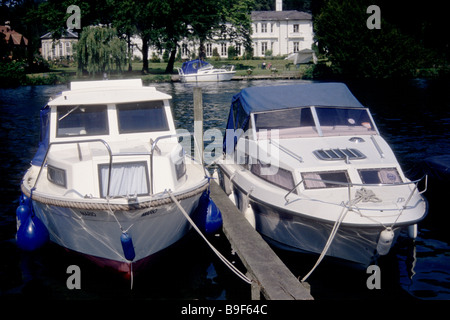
pixel 100 50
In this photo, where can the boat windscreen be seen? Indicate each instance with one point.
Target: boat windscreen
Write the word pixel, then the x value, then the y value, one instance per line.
pixel 296 122
pixel 344 121
pixel 82 120
pixel 146 116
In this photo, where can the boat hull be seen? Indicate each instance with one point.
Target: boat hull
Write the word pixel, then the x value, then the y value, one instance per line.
pixel 300 230
pixel 96 234
pixel 209 77
pixel 297 233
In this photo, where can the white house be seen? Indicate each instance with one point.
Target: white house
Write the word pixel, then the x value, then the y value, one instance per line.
pixel 281 32
pixel 58 49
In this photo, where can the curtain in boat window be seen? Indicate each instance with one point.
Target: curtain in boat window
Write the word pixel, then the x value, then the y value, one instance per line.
pixel 129 178
pixel 275 175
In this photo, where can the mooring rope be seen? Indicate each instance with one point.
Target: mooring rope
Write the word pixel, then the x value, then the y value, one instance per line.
pixel 221 257
pixel 91 205
pixel 363 195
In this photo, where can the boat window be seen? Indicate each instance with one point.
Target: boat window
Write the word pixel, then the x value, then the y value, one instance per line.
pixel 147 116
pixel 82 120
pixel 129 178
pixel 57 176
pixel 344 121
pixel 380 175
pixel 275 175
pixel 325 179
pixel 339 154
pixel 290 123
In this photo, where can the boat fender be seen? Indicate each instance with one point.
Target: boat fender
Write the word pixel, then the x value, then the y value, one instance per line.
pixel 412 231
pixel 32 234
pixel 127 246
pixel 250 216
pixel 385 241
pixel 208 216
pixel 22 213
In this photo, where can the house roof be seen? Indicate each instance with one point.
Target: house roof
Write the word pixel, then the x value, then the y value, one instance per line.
pixel 12 36
pixel 66 34
pixel 281 15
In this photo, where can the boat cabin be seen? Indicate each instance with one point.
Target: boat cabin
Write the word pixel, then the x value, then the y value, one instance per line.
pixel 317 134
pixel 99 125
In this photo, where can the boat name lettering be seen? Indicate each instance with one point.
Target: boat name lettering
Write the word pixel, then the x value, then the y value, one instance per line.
pixel 149 212
pixel 88 213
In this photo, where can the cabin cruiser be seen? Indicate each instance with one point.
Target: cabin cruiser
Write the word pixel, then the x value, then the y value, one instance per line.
pixel 109 153
pixel 308 168
pixel 202 71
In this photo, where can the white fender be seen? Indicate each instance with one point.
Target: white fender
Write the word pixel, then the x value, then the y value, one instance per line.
pixel 385 241
pixel 412 231
pixel 250 216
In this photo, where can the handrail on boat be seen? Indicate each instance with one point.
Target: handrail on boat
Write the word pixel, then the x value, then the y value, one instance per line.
pixel 351 184
pixel 111 155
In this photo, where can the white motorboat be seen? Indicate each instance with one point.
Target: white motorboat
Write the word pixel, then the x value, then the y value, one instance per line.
pixel 108 154
pixel 308 168
pixel 202 71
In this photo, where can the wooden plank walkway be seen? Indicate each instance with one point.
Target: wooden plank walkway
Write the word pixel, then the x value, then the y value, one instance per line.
pixel 272 278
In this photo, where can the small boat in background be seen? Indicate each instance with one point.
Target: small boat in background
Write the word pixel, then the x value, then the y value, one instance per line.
pixel 202 71
pixel 308 168
pixel 108 154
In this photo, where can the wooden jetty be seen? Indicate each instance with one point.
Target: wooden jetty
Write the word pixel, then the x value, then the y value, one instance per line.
pixel 270 275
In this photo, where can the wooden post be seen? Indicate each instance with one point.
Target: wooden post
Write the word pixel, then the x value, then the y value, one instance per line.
pixel 198 123
pixel 271 276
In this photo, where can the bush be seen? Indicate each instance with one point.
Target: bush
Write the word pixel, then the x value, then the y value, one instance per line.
pixel 12 74
pixel 155 58
pixel 231 52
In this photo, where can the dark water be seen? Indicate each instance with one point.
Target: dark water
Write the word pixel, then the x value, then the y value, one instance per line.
pixel 414 117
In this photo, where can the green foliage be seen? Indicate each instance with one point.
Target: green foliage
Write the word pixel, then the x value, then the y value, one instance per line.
pixel 356 51
pixel 12 74
pixel 100 50
pixel 231 52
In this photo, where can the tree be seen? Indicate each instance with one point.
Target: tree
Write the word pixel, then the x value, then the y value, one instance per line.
pixel 356 51
pixel 100 50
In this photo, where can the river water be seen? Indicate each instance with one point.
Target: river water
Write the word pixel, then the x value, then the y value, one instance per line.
pixel 413 116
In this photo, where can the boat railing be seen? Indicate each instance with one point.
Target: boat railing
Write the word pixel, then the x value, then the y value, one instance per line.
pixel 349 186
pixel 154 148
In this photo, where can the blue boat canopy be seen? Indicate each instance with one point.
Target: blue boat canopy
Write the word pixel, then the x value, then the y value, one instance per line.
pixel 192 66
pixel 260 99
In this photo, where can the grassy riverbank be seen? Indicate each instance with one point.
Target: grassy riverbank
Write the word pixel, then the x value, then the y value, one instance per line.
pixel 279 68
pixel 245 69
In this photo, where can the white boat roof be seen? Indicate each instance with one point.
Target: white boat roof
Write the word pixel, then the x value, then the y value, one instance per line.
pixel 107 91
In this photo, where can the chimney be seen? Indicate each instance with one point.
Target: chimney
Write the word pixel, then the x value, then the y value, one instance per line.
pixel 278 5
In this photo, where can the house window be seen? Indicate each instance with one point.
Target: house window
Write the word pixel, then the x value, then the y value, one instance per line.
pixel 184 50
pixel 263 27
pixel 271 27
pixel 223 49
pixel 263 48
pixel 296 28
pixel 208 49
pixel 238 49
pixel 68 49
pixel 296 46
